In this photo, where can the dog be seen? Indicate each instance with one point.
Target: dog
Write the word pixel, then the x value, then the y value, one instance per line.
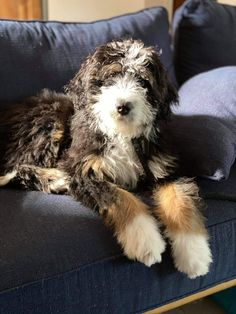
pixel 100 140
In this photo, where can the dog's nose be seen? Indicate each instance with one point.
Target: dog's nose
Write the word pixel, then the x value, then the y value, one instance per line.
pixel 123 108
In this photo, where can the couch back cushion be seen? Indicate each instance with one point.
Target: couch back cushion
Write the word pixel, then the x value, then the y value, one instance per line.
pixel 204 37
pixel 203 127
pixel 35 55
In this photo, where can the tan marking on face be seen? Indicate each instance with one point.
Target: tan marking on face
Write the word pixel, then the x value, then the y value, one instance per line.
pixel 57 135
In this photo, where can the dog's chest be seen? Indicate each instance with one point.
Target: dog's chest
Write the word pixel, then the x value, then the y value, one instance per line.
pixel 122 163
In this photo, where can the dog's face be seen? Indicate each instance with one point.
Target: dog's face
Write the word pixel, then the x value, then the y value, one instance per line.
pixel 125 88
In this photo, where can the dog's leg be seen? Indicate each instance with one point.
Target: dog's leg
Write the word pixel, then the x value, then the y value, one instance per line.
pixel 49 180
pixel 177 205
pixel 134 227
pixel 7 178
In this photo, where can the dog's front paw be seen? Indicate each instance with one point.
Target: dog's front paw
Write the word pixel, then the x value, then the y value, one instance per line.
pixel 142 241
pixel 59 185
pixel 58 181
pixel 192 254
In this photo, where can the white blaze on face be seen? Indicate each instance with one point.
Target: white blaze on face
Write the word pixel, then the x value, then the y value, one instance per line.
pixel 125 89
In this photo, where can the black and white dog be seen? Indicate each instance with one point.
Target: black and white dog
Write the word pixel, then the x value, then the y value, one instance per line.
pixel 103 138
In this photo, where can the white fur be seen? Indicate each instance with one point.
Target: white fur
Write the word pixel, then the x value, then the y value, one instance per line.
pixel 161 166
pixel 137 56
pixel 142 240
pixel 191 253
pixel 4 180
pixel 59 180
pixel 140 118
pixel 59 185
pixel 122 164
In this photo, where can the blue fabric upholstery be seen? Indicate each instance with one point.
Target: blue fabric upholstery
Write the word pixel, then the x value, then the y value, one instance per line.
pixel 204 37
pixel 222 190
pixel 35 55
pixel 204 126
pixel 57 257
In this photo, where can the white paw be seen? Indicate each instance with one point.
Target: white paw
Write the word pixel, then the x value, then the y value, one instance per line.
pixel 4 180
pixel 142 241
pixel 58 181
pixel 192 254
pixel 59 186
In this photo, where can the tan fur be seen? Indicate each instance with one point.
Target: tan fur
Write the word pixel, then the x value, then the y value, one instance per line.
pixel 111 69
pixel 57 135
pixel 135 228
pixel 50 173
pixel 53 180
pixel 119 163
pixel 4 180
pixel 124 210
pixel 177 206
pixel 95 163
pixel 162 165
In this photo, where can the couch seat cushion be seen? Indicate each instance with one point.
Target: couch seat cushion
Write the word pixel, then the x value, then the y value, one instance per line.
pixel 57 257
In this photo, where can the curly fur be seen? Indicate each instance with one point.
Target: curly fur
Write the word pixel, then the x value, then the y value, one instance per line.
pixel 100 141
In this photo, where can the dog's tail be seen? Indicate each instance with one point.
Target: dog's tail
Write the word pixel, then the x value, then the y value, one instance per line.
pixel 4 180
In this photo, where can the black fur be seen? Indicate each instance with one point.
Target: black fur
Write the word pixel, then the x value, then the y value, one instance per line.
pixel 60 143
pixel 33 123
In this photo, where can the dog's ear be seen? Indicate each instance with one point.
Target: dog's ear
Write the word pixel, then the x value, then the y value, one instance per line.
pixel 87 79
pixel 77 83
pixel 165 92
pixel 82 81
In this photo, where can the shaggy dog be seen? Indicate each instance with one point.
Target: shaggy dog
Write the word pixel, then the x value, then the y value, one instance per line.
pixel 100 141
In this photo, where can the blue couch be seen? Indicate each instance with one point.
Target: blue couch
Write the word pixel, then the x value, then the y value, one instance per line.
pixel 56 256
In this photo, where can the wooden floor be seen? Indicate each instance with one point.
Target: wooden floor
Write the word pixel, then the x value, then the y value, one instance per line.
pixel 192 298
pixel 202 306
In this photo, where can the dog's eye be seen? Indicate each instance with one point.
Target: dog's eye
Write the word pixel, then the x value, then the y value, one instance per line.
pixel 108 81
pixel 109 76
pixel 99 83
pixel 113 74
pixel 49 126
pixel 144 83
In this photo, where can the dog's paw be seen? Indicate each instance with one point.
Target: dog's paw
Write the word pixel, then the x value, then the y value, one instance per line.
pixel 192 254
pixel 142 241
pixel 58 181
pixel 59 185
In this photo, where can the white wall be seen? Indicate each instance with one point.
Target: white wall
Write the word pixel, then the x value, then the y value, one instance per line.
pixel 90 10
pixel 232 2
